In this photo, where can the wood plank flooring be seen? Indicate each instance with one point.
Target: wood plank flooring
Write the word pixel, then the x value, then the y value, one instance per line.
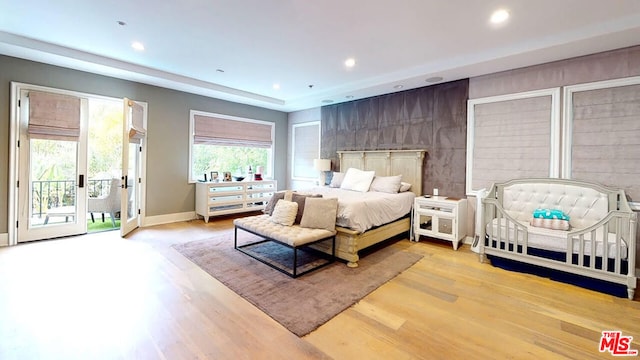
pixel 102 297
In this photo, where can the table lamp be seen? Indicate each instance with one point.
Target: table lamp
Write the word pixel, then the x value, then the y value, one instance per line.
pixel 322 165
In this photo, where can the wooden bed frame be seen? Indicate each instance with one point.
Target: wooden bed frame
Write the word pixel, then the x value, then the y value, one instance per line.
pixel 409 164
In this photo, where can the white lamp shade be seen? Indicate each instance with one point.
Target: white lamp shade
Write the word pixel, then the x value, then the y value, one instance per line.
pixel 322 164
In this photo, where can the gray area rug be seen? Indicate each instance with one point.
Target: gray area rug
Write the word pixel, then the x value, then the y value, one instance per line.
pixel 303 304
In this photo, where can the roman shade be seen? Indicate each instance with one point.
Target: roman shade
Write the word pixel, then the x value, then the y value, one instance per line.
pixel 605 137
pixel 512 140
pixel 306 148
pixel 136 127
pixel 226 132
pixel 54 116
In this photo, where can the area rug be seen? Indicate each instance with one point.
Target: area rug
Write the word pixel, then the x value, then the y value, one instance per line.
pixel 302 304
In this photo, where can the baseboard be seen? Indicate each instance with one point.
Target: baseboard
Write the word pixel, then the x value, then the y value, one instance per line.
pixel 4 239
pixel 168 218
pixel 468 240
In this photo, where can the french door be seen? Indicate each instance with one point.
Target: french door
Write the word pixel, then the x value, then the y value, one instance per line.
pixel 133 140
pixel 52 192
pixel 49 163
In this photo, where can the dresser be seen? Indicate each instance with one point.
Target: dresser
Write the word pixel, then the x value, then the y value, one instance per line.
pixel 220 198
pixel 439 217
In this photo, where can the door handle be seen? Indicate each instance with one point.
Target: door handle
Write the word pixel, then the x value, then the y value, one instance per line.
pixel 81 181
pixel 126 182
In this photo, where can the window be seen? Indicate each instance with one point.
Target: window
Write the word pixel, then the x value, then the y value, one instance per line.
pixel 226 143
pixel 306 147
pixel 511 136
pixel 523 135
pixel 602 141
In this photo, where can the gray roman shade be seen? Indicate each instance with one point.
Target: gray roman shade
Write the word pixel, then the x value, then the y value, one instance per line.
pixel 225 132
pixel 54 116
pixel 306 147
pixel 605 143
pixel 513 139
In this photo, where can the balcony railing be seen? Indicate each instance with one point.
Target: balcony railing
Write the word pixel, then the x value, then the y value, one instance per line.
pixel 48 195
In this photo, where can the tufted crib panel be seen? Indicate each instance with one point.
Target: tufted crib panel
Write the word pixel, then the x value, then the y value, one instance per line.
pixel 584 206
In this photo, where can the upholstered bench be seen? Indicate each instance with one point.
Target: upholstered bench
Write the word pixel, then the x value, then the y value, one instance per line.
pixel 294 237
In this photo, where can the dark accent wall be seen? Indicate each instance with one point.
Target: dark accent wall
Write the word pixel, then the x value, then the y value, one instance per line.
pixel 432 118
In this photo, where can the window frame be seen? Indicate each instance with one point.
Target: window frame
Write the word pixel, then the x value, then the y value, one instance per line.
pixel 269 171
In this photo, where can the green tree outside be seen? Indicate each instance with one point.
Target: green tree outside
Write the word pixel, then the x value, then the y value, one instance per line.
pixel 235 159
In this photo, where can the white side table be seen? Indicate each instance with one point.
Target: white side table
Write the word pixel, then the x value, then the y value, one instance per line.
pixel 439 217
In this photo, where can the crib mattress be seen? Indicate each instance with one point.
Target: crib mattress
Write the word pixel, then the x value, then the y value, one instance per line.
pixel 554 240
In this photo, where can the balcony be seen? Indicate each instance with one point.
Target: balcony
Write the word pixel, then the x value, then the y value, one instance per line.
pixel 59 194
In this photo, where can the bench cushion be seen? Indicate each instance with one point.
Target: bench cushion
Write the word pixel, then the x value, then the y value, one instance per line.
pixel 292 235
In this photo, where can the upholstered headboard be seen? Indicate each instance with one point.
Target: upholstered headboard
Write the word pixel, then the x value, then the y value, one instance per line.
pixel 407 163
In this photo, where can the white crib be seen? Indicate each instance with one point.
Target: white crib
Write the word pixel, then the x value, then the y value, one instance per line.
pixel 601 240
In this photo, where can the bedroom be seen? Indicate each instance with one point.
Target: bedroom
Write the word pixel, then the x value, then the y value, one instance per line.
pixel 166 206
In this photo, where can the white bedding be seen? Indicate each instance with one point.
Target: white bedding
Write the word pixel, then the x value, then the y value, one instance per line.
pixel 556 240
pixel 362 211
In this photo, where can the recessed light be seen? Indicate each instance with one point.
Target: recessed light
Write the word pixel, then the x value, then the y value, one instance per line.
pixel 398 87
pixel 220 70
pixel 136 45
pixel 327 101
pixel 350 62
pixel 434 79
pixel 499 16
pixel 276 86
pixel 349 96
pixel 121 23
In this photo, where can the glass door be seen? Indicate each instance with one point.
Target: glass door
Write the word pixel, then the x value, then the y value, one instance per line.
pixel 134 137
pixel 52 158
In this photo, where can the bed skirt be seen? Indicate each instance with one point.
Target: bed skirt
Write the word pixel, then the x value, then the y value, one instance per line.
pixel 602 286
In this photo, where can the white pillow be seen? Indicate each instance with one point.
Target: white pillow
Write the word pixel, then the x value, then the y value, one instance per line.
pixel 404 186
pixel 336 180
pixel 386 184
pixel 284 213
pixel 357 180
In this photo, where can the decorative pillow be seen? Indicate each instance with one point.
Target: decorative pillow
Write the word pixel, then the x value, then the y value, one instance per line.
pixel 320 213
pixel 404 186
pixel 555 224
pixel 550 219
pixel 284 213
pixel 336 179
pixel 300 199
pixel 550 214
pixel 386 184
pixel 272 202
pixel 357 180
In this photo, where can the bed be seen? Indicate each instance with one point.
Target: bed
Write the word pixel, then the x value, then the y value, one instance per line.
pixel 566 226
pixel 352 237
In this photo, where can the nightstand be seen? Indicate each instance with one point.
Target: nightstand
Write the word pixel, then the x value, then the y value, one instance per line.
pixel 439 217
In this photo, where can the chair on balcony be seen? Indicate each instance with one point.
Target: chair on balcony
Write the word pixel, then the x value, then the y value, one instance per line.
pixel 107 204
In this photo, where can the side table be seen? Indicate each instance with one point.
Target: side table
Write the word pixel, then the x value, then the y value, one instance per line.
pixel 439 217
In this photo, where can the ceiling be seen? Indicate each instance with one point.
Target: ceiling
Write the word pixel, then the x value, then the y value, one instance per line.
pixel 238 49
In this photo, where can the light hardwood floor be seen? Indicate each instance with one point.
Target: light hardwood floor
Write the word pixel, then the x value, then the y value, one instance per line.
pixel 102 297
